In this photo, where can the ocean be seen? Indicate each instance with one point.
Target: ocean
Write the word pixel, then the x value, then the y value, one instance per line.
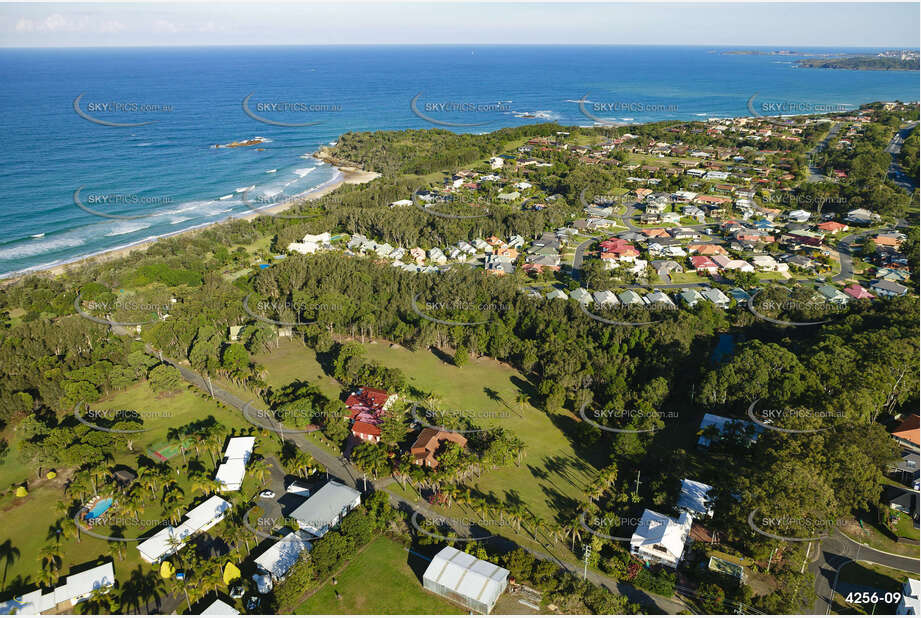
pixel 74 186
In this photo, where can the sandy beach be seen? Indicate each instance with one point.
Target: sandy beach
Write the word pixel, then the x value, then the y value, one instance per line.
pixel 346 175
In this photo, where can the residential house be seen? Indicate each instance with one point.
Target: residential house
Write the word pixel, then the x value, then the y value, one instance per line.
pixel 605 297
pixel 660 539
pixel 429 441
pixel 909 605
pixel 581 295
pixel 704 265
pixel 857 292
pixel 437 256
pixel 907 432
pixel 690 296
pixel 715 427
pixel 77 587
pixel 556 294
pixel 326 508
pixel 171 539
pixel 862 216
pixel 659 297
pixel 832 227
pixel 716 297
pixel 275 562
pixel 833 294
pixel 629 297
pixel 233 466
pixel 695 498
pixel 886 288
pixel 706 249
pixel 366 432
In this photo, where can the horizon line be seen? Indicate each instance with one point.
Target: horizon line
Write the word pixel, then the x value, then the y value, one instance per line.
pixel 785 47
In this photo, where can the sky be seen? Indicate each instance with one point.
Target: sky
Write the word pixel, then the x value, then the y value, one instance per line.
pixel 338 22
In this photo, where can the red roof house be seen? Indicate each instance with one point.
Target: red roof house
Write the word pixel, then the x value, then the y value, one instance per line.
pixel 857 291
pixel 366 431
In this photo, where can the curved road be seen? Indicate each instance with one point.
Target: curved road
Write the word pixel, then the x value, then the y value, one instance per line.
pixel 838 550
pixel 340 468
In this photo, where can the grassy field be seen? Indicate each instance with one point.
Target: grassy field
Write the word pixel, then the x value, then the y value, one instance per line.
pixel 28 522
pixel 379 580
pixel 875 575
pixel 871 535
pixel 551 472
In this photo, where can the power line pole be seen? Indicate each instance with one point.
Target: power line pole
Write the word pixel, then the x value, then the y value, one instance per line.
pixel 586 552
pixel 637 491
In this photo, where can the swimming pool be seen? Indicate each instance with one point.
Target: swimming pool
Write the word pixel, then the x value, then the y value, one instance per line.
pixel 101 507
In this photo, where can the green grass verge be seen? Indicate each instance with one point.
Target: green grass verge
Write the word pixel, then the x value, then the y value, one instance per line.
pixel 378 580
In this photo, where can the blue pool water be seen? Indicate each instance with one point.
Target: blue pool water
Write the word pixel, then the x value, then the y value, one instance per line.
pixel 101 507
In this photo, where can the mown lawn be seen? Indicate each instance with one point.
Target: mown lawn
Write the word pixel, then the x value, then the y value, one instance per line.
pixel 552 473
pixel 379 580
pixel 28 521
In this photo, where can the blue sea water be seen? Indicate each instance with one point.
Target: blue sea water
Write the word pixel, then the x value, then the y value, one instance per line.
pixel 168 173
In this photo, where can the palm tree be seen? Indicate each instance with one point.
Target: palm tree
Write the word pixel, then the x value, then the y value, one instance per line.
pixel 177 434
pixel 575 530
pixel 205 485
pixel 260 469
pixel 175 587
pixel 69 528
pixel 9 553
pixel 50 562
pixel 99 602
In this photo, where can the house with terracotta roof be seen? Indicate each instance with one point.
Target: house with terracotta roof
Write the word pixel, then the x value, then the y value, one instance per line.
pixel 907 432
pixel 706 249
pixel 704 265
pixel 429 441
pixel 857 292
pixel 366 432
pixel 656 232
pixel 832 227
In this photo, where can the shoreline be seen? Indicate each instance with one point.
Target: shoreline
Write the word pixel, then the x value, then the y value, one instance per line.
pixel 345 174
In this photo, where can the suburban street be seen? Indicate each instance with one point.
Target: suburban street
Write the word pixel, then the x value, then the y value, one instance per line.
pixel 815 175
pixel 837 551
pixel 896 173
pixel 344 471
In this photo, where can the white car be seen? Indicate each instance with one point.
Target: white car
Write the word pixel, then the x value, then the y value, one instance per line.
pixel 267 493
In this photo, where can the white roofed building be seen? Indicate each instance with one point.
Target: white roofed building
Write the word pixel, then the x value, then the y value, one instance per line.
pixel 660 539
pixel 909 604
pixel 324 509
pixel 237 454
pixel 77 587
pixel 465 579
pixel 203 517
pixel 219 608
pixel 695 498
pixel 278 559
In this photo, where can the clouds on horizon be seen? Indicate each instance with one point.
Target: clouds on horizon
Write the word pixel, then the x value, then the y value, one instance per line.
pixel 801 24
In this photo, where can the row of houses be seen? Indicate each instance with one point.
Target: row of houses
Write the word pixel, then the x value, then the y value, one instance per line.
pixel 661 539
pixel 77 587
pixel 232 469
